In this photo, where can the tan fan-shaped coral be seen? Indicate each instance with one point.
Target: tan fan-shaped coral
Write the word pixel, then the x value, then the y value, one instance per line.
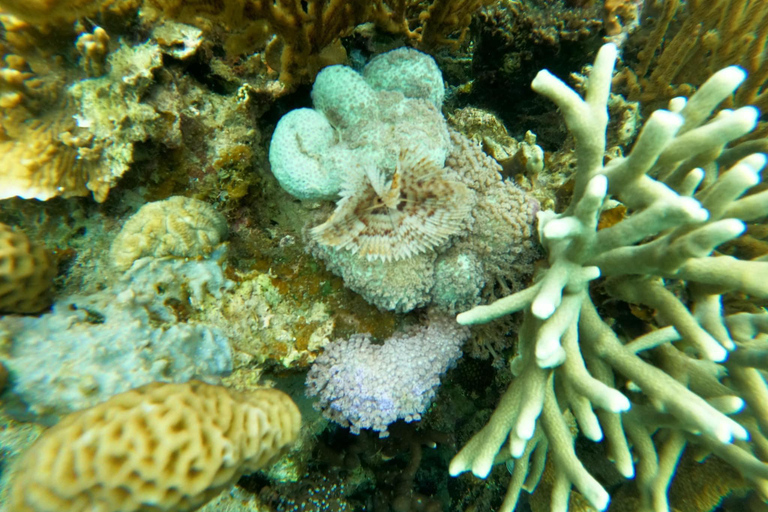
pixel 415 211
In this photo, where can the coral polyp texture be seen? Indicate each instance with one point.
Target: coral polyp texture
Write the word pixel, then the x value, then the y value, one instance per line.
pixel 178 226
pixel 363 385
pixel 159 447
pixel 414 211
pixel 413 196
pixel 26 273
pixel 686 192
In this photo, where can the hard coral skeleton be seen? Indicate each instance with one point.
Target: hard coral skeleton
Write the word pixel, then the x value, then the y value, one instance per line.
pixel 686 193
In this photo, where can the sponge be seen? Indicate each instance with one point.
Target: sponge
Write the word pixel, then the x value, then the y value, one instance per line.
pixel 160 447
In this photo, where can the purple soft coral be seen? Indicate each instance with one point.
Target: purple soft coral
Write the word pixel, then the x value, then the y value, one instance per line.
pixel 363 385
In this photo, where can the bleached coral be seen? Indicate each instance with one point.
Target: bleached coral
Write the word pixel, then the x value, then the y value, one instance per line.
pixel 410 188
pixel 569 358
pixel 178 226
pixel 354 126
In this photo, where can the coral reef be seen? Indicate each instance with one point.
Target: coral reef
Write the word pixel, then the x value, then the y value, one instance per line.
pixel 92 347
pixel 512 41
pixel 59 11
pixel 571 363
pixel 362 385
pixel 418 202
pixel 113 113
pixel 689 41
pixel 178 226
pixel 297 39
pixel 174 446
pixel 72 130
pixel 26 273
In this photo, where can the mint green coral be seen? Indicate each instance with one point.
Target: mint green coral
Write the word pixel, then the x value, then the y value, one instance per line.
pixel 684 193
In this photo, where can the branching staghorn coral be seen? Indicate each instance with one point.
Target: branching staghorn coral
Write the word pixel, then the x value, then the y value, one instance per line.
pixel 571 363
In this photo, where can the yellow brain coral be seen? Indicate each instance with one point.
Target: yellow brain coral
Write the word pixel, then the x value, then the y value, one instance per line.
pixel 158 447
pixel 26 273
pixel 178 226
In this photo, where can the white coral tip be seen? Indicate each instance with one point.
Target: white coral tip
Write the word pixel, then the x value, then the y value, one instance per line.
pixel 551 359
pixel 617 402
pixel 693 209
pixel 729 78
pixel 756 161
pixel 677 104
pixel 542 307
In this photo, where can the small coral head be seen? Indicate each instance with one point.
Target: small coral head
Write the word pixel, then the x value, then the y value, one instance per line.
pixel 393 219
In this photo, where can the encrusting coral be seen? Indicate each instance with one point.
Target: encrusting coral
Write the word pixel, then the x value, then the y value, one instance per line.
pixel 685 194
pixel 164 447
pixel 178 226
pixel 135 331
pixel 26 273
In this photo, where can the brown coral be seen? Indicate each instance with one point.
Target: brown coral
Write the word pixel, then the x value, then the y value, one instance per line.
pixel 415 211
pixel 675 58
pixel 47 11
pixel 159 447
pixel 178 226
pixel 26 273
pixel 304 36
pixel 40 141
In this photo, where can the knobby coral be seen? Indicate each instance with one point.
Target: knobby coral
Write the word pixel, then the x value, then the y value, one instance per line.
pixel 26 273
pixel 685 194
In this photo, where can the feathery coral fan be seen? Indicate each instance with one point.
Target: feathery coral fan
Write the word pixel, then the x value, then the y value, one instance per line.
pixel 417 210
pixel 572 362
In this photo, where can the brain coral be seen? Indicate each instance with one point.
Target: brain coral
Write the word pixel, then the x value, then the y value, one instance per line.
pixel 26 273
pixel 178 226
pixel 160 447
pixel 359 124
